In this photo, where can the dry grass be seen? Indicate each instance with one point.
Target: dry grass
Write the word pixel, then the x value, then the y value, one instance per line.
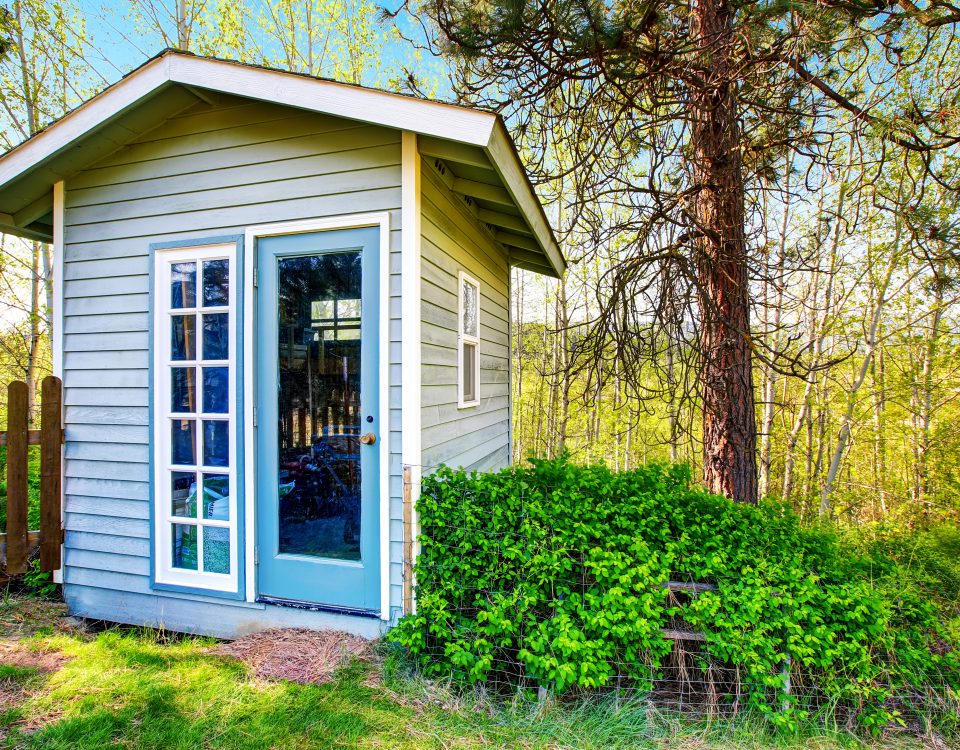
pixel 295 654
pixel 22 616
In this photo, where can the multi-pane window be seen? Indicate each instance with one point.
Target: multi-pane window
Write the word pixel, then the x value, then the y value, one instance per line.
pixel 194 405
pixel 469 341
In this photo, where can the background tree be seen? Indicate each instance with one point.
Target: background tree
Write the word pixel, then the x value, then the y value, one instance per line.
pixel 675 116
pixel 40 79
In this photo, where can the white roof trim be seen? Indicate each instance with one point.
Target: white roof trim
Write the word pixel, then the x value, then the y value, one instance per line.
pixel 446 121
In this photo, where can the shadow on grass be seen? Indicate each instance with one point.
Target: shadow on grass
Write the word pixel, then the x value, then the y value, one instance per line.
pixel 131 690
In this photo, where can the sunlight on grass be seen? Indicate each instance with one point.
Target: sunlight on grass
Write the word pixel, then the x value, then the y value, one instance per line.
pixel 139 689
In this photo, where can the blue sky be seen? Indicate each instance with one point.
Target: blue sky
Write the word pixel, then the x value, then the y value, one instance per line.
pixel 119 47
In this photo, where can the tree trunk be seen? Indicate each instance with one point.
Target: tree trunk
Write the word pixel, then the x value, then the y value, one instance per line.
pixel 770 373
pixel 563 322
pixel 673 416
pixel 729 417
pixel 926 407
pixel 846 424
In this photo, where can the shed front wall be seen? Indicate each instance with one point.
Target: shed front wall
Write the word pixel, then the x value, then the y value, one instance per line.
pixel 210 171
pixel 453 240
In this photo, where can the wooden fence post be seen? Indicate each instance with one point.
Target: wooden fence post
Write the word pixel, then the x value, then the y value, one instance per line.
pixel 51 440
pixel 17 421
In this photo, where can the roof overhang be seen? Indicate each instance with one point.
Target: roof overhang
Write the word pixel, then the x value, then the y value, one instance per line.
pixel 472 142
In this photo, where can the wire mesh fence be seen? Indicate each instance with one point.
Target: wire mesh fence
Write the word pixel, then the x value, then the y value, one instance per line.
pixel 505 601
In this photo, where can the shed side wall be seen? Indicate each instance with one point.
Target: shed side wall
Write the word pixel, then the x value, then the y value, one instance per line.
pixel 453 240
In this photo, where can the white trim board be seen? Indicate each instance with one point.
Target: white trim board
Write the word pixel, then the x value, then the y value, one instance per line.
pixel 457 124
pixel 251 235
pixel 411 448
pixel 56 339
pixel 464 338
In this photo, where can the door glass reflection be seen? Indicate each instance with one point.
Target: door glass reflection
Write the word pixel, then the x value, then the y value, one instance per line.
pixel 319 405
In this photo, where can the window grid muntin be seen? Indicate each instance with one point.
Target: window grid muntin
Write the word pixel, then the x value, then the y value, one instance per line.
pixel 165 467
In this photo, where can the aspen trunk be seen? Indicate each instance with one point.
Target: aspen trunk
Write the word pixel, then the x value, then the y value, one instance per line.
pixel 926 387
pixel 843 436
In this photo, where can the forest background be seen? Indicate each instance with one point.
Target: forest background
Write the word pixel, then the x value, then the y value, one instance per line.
pixel 854 285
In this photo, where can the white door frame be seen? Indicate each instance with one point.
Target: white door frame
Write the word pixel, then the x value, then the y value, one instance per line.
pixel 329 223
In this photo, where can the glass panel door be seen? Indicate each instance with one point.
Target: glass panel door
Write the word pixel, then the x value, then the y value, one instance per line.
pixel 318 434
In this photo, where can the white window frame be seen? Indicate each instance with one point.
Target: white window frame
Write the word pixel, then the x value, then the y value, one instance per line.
pixel 164 572
pixel 464 338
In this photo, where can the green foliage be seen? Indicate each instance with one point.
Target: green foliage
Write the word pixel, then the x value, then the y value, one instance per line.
pixel 39 582
pixel 33 487
pixel 556 571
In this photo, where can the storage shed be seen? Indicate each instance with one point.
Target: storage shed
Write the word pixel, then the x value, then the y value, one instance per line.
pixel 275 296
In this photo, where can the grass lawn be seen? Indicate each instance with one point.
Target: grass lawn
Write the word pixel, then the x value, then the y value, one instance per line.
pixel 61 687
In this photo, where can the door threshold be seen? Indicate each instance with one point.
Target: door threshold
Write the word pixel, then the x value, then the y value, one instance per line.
pixel 315 607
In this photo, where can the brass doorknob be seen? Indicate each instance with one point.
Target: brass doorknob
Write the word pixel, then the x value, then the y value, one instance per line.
pixel 368 438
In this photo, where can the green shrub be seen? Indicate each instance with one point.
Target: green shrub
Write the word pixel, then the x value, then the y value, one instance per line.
pixel 553 575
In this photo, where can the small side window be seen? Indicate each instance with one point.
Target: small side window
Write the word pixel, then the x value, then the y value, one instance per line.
pixel 469 341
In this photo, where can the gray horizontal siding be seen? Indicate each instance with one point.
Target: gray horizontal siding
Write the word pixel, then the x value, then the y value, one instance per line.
pixel 210 171
pixel 451 241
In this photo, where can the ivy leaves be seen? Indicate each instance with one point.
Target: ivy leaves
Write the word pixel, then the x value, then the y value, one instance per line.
pixel 554 576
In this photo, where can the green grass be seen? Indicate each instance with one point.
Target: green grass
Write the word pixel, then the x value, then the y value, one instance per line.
pixel 130 688
pixel 33 487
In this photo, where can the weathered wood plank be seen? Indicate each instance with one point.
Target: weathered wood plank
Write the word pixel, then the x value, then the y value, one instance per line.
pixel 17 420
pixel 689 587
pixel 33 437
pixel 51 490
pixel 33 541
pixel 683 635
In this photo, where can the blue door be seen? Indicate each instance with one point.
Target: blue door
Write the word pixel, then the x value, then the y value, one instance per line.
pixel 318 416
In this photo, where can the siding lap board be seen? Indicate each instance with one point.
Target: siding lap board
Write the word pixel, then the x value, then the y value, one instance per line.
pixel 210 171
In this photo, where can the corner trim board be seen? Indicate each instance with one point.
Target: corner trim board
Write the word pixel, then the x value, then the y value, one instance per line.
pixel 59 194
pixel 411 449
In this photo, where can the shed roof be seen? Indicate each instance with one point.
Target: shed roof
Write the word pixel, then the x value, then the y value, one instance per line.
pixel 473 145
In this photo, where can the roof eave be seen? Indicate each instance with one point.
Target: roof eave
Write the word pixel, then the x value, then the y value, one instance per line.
pixel 451 122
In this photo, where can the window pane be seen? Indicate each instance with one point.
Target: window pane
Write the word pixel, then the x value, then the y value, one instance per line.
pixel 322 309
pixel 183 387
pixel 215 336
pixel 183 443
pixel 216 549
pixel 216 443
pixel 183 344
pixel 183 285
pixel 215 390
pixel 184 546
pixel 318 420
pixel 216 497
pixel 469 372
pixel 216 280
pixel 184 500
pixel 470 309
pixel 348 308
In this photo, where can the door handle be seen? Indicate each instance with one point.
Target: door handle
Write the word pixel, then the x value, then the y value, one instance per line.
pixel 368 438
